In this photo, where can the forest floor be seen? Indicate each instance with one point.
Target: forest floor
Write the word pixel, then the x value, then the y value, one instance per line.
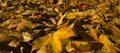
pixel 59 26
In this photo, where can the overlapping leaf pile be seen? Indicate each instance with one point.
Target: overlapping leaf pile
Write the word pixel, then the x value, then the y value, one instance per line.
pixel 59 26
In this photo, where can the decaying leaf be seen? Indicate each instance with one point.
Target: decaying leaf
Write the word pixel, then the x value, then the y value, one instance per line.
pixel 26 36
pixel 26 24
pixel 14 43
pixel 59 26
pixel 10 23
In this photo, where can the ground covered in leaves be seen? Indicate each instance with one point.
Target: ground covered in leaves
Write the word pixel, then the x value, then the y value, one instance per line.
pixel 59 26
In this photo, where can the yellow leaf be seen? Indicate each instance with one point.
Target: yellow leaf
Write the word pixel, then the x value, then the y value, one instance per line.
pixel 71 15
pixel 41 42
pixel 104 39
pixel 50 41
pixel 108 46
pixel 26 36
pixel 42 50
pixel 64 33
pixel 80 42
pixel 14 43
pixel 54 39
pixel 56 45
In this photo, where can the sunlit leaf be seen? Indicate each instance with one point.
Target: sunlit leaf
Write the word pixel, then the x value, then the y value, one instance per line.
pixel 42 50
pixel 27 12
pixel 71 15
pixel 104 39
pixel 80 42
pixel 65 32
pixel 14 43
pixel 56 45
pixel 108 47
pixel 26 36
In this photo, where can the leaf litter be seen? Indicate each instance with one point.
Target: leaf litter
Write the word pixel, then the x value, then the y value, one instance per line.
pixel 60 26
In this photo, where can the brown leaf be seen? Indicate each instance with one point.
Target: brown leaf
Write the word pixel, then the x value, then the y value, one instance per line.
pixel 26 24
pixel 26 36
pixel 14 43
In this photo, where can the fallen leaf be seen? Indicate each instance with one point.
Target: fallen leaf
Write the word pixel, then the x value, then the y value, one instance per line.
pixel 93 34
pixel 27 12
pixel 14 43
pixel 64 33
pixel 41 42
pixel 114 28
pixel 26 36
pixel 60 2
pixel 69 47
pixel 61 18
pixel 42 50
pixel 80 46
pixel 56 45
pixel 26 24
pixel 108 45
pixel 104 39
pixel 71 15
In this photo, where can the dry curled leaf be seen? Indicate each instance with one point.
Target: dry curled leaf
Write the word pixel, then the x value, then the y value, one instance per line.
pixel 26 24
pixel 14 43
pixel 26 36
